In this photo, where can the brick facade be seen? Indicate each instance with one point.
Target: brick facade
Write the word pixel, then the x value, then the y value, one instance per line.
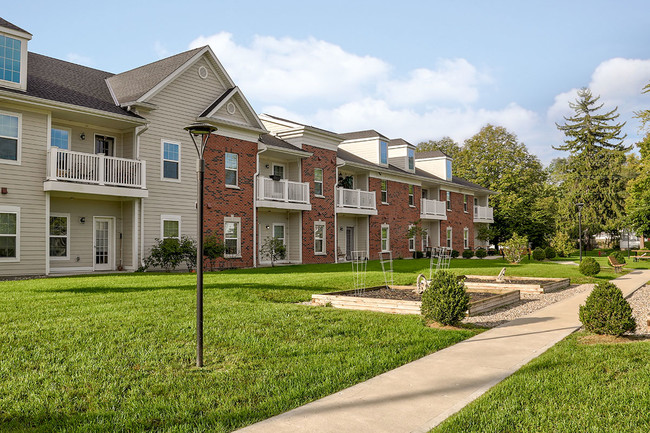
pixel 221 201
pixel 458 220
pixel 397 214
pixel 322 208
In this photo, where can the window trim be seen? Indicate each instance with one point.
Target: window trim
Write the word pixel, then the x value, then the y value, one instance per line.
pixel 411 240
pixel 237 221
pixel 322 173
pixel 162 161
pixel 284 169
pixel 323 251
pixel 19 139
pixel 384 192
pixel 448 200
pixel 411 195
pixel 449 241
pixel 14 210
pixel 67 236
pixel 95 135
pixel 284 231
pixel 466 238
pixel 381 238
pixel 22 83
pixel 236 170
pixel 465 203
pixel 164 218
pixel 61 128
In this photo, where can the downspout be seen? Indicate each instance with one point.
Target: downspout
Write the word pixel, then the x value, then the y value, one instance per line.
pixel 139 130
pixel 255 176
pixel 336 215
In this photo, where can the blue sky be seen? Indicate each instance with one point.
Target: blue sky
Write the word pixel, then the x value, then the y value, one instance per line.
pixel 412 69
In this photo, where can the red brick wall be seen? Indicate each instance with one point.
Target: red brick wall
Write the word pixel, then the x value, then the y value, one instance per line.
pixel 321 208
pixel 458 219
pixel 397 214
pixel 220 201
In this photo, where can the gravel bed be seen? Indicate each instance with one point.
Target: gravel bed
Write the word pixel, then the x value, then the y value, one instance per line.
pixel 640 303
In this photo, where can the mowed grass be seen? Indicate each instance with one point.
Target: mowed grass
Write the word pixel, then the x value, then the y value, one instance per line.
pixel 573 387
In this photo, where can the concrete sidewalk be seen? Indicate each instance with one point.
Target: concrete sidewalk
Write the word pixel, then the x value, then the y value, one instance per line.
pixel 420 395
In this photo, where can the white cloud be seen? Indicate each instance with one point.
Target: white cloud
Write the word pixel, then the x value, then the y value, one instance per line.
pixel 79 59
pixel 160 50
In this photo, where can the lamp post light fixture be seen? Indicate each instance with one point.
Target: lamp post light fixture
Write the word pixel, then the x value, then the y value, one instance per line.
pixel 203 130
pixel 579 205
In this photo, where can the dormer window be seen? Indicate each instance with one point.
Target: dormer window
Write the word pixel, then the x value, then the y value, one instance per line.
pixel 383 152
pixel 411 158
pixel 10 53
pixel 449 176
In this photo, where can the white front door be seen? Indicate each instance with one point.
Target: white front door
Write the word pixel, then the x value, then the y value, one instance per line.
pixel 103 244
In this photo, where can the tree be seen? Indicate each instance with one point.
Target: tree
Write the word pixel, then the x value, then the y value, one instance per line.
pixel 446 145
pixel 637 203
pixel 274 249
pixel 592 172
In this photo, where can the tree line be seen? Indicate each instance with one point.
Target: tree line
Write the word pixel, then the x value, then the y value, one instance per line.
pixel 599 171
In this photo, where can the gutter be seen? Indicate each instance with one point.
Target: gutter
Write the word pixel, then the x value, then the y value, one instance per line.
pixel 255 176
pixel 336 215
pixel 139 130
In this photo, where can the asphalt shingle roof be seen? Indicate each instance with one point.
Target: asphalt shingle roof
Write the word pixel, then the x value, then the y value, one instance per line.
pixel 272 140
pixel 429 154
pixel 6 24
pixel 368 133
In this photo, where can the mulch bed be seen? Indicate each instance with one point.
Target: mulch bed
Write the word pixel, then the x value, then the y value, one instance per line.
pixel 407 295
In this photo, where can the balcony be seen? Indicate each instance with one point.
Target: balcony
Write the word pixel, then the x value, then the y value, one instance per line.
pixel 89 173
pixel 483 214
pixel 355 201
pixel 433 209
pixel 282 194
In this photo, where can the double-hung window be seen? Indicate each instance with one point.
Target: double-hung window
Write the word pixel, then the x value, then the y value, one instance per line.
pixel 171 159
pixel 384 191
pixel 411 197
pixel 170 227
pixel 319 237
pixel 411 240
pixel 9 234
pixel 449 233
pixel 318 181
pixel 448 200
pixel 232 237
pixel 466 238
pixel 232 168
pixel 59 236
pixel 465 204
pixel 10 138
pixel 385 237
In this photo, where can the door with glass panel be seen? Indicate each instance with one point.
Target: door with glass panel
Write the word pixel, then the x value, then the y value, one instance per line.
pixel 103 244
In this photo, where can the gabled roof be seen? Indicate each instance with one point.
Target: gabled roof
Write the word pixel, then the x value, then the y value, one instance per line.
pixel 131 85
pixel 368 133
pixel 234 95
pixel 430 154
pixel 399 142
pixel 6 24
pixel 272 140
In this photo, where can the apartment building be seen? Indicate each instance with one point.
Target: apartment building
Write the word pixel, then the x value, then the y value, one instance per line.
pixel 96 166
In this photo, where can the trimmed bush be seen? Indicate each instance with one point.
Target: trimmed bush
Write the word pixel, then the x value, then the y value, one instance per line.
pixel 481 253
pixel 619 256
pixel 549 252
pixel 446 300
pixel 606 311
pixel 539 254
pixel 468 254
pixel 454 254
pixel 589 267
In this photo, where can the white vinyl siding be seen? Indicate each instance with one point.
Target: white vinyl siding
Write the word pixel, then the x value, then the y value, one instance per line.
pixel 319 238
pixel 232 169
pixel 9 234
pixel 232 237
pixel 59 236
pixel 10 137
pixel 385 237
pixel 170 226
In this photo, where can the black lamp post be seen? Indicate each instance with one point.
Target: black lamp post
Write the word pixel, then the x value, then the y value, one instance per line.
pixel 204 130
pixel 579 205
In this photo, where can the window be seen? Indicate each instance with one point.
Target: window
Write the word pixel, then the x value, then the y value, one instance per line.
pixel 170 227
pixel 385 237
pixel 449 237
pixel 232 237
pixel 425 238
pixel 10 49
pixel 319 237
pixel 10 137
pixel 59 236
pixel 232 166
pixel 60 138
pixel 278 232
pixel 384 191
pixel 171 160
pixel 278 170
pixel 466 238
pixel 411 157
pixel 449 176
pixel 104 145
pixel 448 200
pixel 318 181
pixel 465 203
pixel 411 198
pixel 411 240
pixel 383 152
pixel 9 234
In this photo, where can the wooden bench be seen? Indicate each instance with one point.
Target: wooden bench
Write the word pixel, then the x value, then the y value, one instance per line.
pixel 615 264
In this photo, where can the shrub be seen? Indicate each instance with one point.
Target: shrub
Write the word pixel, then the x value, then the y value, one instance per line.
pixel 165 253
pixel 274 249
pixel 539 254
pixel 468 254
pixel 562 244
pixel 549 252
pixel 589 267
pixel 606 311
pixel 515 248
pixel 481 253
pixel 418 254
pixel 213 249
pixel 188 249
pixel 454 254
pixel 619 256
pixel 446 299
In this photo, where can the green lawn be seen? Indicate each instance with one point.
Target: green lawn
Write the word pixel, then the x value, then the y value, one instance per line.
pixel 571 388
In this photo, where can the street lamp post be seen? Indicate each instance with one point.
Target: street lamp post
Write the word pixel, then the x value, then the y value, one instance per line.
pixel 579 205
pixel 204 130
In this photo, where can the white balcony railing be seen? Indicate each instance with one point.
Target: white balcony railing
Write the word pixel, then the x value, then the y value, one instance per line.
pixel 483 214
pixel 433 208
pixel 95 169
pixel 282 190
pixel 355 198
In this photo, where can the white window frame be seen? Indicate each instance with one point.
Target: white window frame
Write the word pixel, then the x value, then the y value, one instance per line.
pixel 14 210
pixel 284 230
pixel 412 195
pixel 19 138
pixel 67 237
pixel 319 182
pixel 323 250
pixel 284 170
pixel 164 218
pixel 466 238
pixel 448 199
pixel 449 241
pixel 411 240
pixel 60 128
pixel 383 192
pixel 237 221
pixel 382 240
pixel 465 203
pixel 162 160
pixel 21 84
pixel 236 170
